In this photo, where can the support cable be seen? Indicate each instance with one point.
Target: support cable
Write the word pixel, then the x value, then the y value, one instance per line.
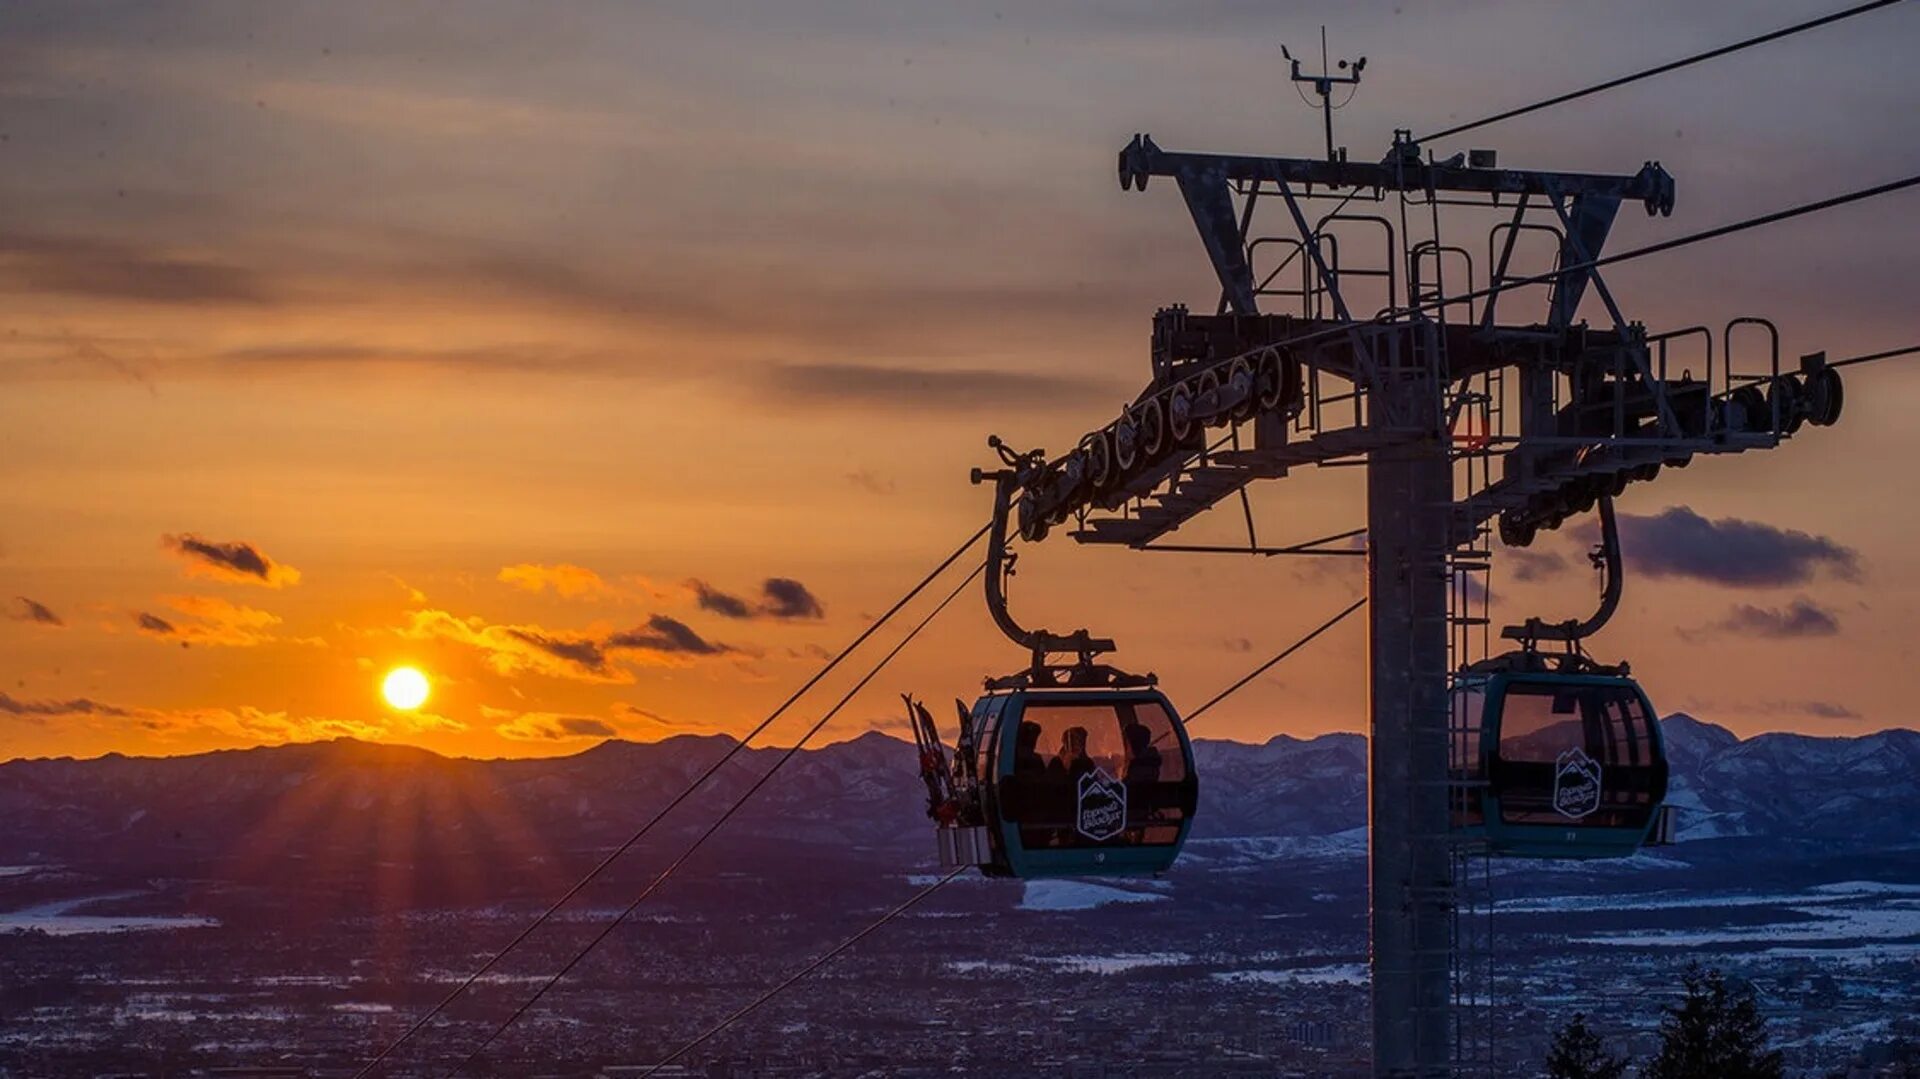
pixel 834 952
pixel 740 744
pixel 1284 653
pixel 1714 233
pixel 669 871
pixel 1889 354
pixel 1661 69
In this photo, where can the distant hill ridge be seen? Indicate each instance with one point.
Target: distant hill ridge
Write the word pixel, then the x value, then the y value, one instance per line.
pixel 303 797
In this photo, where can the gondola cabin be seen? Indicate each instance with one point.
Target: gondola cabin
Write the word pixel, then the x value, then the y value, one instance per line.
pixel 1551 764
pixel 1078 782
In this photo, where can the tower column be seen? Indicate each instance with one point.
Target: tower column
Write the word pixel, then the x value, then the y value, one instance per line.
pixel 1409 490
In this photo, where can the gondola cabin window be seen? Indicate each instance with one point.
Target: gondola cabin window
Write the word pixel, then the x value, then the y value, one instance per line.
pixel 1095 774
pixel 1575 754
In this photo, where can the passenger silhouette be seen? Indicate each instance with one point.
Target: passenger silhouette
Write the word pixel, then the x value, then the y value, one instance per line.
pixel 1024 792
pixel 1026 751
pixel 1072 761
pixel 1143 772
pixel 1143 760
pixel 1063 780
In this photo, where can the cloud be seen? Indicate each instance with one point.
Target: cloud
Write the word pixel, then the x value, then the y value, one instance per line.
pixel 569 581
pixel 232 561
pixel 213 621
pixel 110 270
pixel 1471 587
pixel 243 724
pixel 532 357
pixel 1529 565
pixel 519 649
pixel 580 651
pixel 1801 618
pixel 780 597
pixel 38 613
pixel 1821 709
pixel 565 579
pixel 78 706
pixel 548 727
pixel 871 482
pixel 414 595
pixel 724 604
pixel 1677 542
pixel 249 724
pixel 788 598
pixel 667 636
pixel 923 389
pixel 635 721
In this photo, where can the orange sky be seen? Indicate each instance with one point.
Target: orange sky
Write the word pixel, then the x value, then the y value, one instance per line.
pixel 502 327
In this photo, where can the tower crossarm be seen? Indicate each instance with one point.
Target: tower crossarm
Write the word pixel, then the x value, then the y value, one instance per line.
pixel 1402 170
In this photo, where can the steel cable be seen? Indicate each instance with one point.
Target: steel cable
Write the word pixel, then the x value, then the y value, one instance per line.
pixel 1661 69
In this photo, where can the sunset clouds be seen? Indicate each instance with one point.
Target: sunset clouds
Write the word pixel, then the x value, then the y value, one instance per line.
pixel 79 706
pixel 585 656
pixel 565 580
pixel 232 561
pixel 1677 542
pixel 210 620
pixel 1798 619
pixel 27 610
pixel 780 597
pixel 666 636
pixel 546 727
pixel 520 649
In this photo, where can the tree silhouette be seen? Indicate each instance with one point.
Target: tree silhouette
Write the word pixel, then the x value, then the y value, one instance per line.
pixel 1715 1032
pixel 1577 1053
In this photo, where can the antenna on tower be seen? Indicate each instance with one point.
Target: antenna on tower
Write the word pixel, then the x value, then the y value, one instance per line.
pixel 1324 83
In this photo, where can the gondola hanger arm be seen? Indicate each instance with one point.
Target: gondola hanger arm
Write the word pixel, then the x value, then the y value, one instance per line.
pixel 1008 482
pixel 1606 558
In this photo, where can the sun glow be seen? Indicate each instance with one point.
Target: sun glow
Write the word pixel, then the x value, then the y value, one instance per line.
pixel 405 688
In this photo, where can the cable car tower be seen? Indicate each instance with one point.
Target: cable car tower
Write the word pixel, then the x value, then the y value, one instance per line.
pixel 1479 402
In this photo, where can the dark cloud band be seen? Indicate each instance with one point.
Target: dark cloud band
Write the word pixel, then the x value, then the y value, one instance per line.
pixel 586 654
pixel 668 636
pixel 78 706
pixel 780 597
pixel 1801 618
pixel 36 612
pixel 948 389
pixel 233 560
pixel 1677 542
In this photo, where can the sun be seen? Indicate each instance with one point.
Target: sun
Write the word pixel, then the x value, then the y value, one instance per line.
pixel 405 688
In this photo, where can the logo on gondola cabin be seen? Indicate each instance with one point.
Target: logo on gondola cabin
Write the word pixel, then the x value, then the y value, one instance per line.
pixel 1576 784
pixel 1102 806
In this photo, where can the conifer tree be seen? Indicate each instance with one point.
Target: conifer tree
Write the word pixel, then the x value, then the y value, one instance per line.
pixel 1577 1053
pixel 1715 1032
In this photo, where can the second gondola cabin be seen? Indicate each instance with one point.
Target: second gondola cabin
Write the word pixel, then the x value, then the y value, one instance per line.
pixel 1556 763
pixel 1081 781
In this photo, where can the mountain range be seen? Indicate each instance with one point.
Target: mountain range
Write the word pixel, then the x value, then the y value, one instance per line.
pixel 338 802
